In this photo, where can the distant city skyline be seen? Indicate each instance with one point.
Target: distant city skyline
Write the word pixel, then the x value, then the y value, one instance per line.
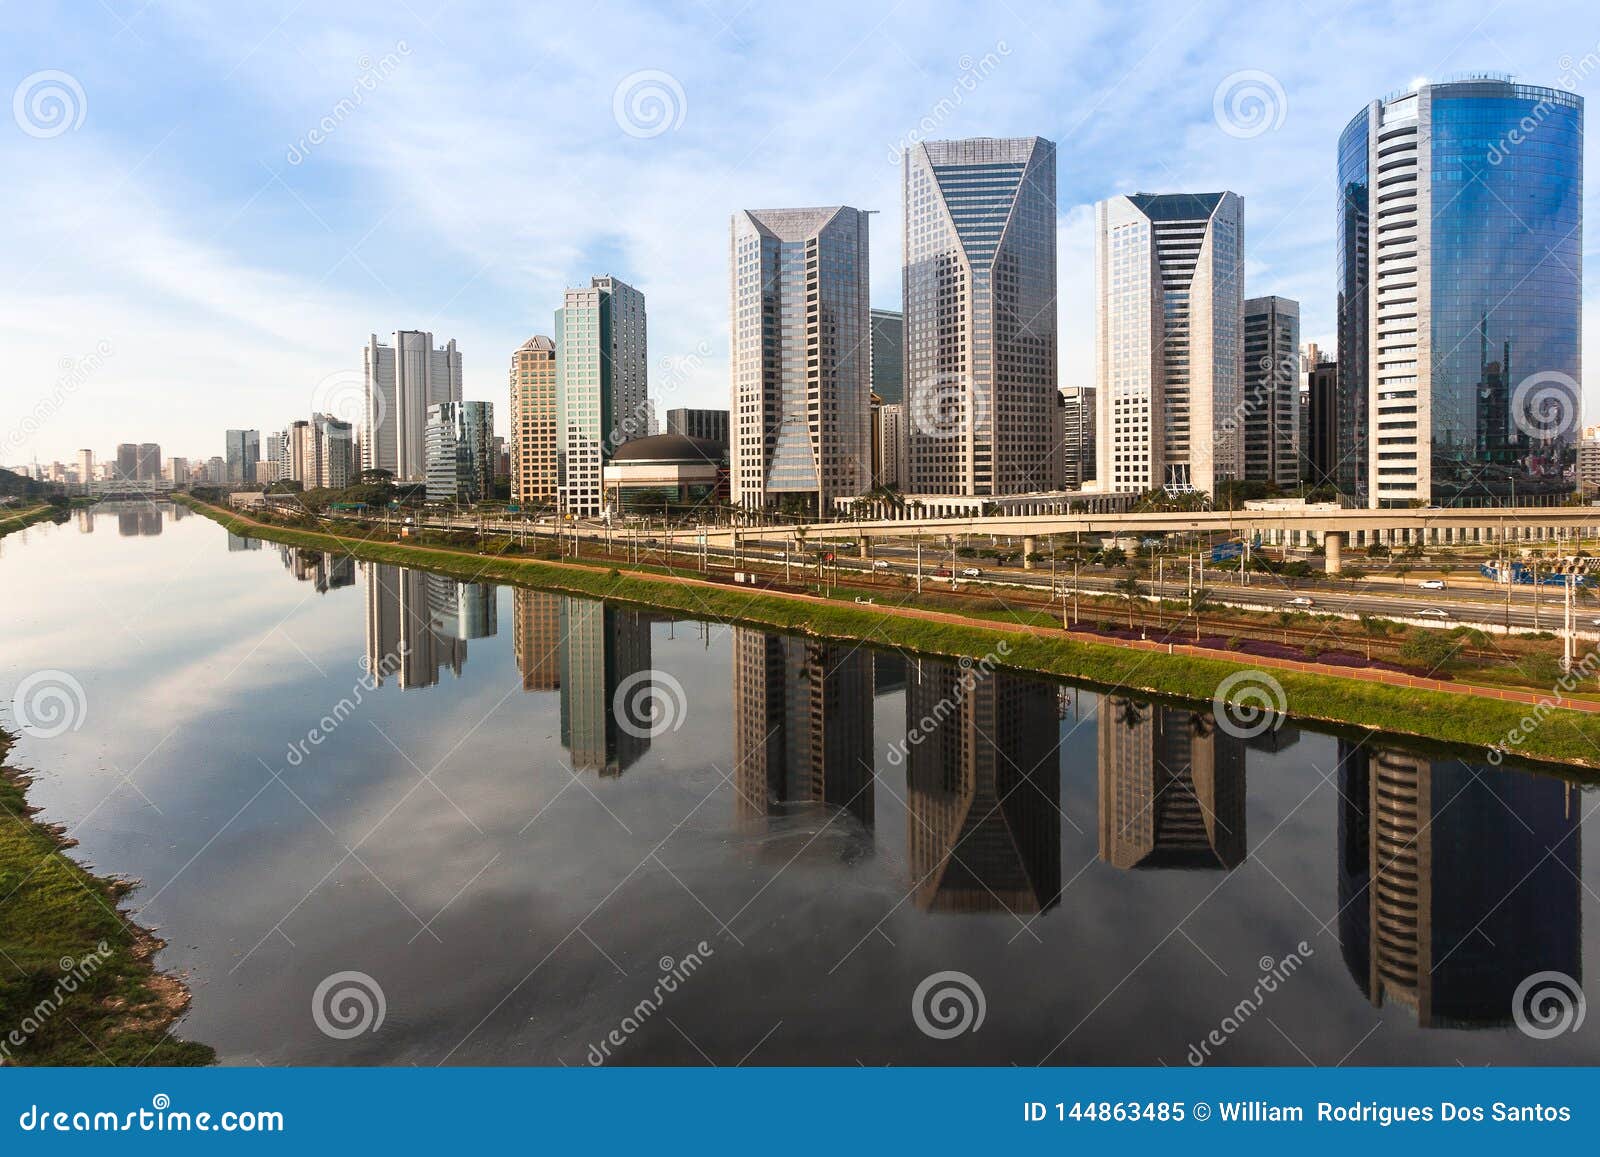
pixel 234 250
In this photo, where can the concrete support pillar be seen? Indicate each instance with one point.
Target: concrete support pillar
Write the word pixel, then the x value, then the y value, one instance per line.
pixel 1332 542
pixel 1030 546
pixel 863 546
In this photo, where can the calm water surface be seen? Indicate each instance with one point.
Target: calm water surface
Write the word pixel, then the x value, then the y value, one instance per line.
pixel 516 812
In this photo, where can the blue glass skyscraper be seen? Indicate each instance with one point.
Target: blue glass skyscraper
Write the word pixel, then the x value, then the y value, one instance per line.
pixel 1460 275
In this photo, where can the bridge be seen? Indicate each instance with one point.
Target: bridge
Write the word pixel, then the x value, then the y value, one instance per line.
pixel 1333 528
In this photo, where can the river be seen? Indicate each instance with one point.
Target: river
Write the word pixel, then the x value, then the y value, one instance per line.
pixel 384 817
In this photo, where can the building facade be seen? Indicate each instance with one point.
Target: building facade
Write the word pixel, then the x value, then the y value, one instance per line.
pixel 980 314
pixel 242 449
pixel 1320 444
pixel 1270 409
pixel 1460 285
pixel 707 425
pixel 602 365
pixel 401 382
pixel 459 444
pixel 1077 436
pixel 889 355
pixel 534 447
pixel 333 448
pixel 801 357
pixel 1169 354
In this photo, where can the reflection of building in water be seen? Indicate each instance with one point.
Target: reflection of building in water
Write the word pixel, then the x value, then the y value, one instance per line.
pixel 605 650
pixel 462 610
pixel 402 642
pixel 85 519
pixel 1456 882
pixel 1172 788
pixel 326 571
pixel 802 724
pixel 983 789
pixel 240 542
pixel 888 671
pixel 536 637
pixel 144 521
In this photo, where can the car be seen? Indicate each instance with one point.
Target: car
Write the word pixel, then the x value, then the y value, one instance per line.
pixel 971 572
pixel 942 572
pixel 1302 601
pixel 880 564
pixel 1432 584
pixel 1433 613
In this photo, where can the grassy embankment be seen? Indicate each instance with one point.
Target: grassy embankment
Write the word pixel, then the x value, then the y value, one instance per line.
pixel 1460 718
pixel 77 983
pixel 12 519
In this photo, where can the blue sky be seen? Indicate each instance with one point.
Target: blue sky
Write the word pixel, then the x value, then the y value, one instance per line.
pixel 180 257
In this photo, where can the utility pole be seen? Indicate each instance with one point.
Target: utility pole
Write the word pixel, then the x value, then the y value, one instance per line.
pixel 919 566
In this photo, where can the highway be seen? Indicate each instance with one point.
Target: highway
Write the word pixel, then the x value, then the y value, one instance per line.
pixel 1472 601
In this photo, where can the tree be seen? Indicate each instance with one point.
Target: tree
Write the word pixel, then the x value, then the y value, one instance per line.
pixel 1130 591
pixel 1429 649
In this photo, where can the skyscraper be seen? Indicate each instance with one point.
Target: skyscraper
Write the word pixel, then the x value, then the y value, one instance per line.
pixel 980 314
pixel 1169 309
pixel 242 449
pixel 534 443
pixel 149 467
pixel 459 442
pixel 1320 448
pixel 536 637
pixel 1077 436
pixel 333 453
pixel 602 366
pixel 1270 410
pixel 1460 283
pixel 802 365
pixel 402 381
pixel 85 468
pixel 889 355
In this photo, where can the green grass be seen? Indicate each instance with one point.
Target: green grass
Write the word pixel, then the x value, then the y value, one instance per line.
pixel 1460 718
pixel 14 519
pixel 76 982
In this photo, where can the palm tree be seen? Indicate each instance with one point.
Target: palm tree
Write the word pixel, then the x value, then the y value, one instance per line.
pixel 1130 590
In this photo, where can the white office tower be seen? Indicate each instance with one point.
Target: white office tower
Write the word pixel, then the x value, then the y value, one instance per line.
pixel 602 371
pixel 1270 414
pixel 980 315
pixel 801 358
pixel 1169 353
pixel 402 381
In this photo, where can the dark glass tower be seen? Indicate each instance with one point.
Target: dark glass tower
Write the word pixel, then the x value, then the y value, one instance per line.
pixel 1460 285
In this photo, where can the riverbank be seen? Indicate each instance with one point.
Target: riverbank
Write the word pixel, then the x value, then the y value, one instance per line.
pixel 14 520
pixel 78 985
pixel 1472 717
